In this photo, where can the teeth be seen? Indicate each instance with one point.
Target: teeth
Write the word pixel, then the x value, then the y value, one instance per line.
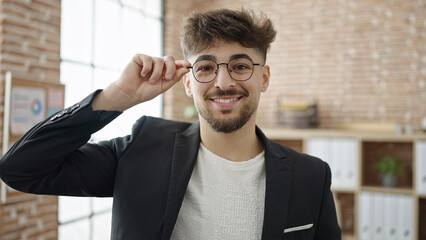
pixel 221 100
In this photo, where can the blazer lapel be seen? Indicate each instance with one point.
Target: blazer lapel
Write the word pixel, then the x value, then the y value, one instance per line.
pixel 183 162
pixel 278 182
pixel 278 187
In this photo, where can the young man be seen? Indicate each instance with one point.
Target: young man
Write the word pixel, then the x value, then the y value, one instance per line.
pixel 219 178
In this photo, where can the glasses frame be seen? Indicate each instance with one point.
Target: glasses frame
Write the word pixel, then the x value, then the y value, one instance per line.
pixel 227 69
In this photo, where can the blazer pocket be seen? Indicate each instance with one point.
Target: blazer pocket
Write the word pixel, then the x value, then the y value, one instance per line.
pixel 303 232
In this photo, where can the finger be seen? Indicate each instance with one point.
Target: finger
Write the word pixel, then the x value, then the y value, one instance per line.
pixel 181 68
pixel 158 65
pixel 168 84
pixel 178 76
pixel 170 66
pixel 182 64
pixel 180 72
pixel 146 65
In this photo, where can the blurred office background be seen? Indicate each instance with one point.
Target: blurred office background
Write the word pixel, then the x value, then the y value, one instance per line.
pixel 358 60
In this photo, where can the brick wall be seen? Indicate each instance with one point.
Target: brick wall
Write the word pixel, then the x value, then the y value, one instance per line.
pixel 362 60
pixel 29 48
pixel 175 100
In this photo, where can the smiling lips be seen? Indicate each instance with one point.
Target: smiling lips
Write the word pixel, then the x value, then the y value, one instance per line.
pixel 225 100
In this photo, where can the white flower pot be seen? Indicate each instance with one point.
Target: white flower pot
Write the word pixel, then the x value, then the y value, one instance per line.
pixel 389 180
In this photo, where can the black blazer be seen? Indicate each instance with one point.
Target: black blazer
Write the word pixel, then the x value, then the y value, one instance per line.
pixel 148 171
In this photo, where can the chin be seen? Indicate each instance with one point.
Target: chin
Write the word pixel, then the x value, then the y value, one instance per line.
pixel 227 124
pixel 226 120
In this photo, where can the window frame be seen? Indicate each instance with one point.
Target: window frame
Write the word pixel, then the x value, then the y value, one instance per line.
pixel 93 66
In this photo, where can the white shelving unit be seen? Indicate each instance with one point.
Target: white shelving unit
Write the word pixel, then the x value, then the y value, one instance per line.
pixel 367 210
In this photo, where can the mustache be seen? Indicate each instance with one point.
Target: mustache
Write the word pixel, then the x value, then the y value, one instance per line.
pixel 228 92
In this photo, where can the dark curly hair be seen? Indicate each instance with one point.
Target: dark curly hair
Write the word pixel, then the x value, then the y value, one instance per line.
pixel 201 30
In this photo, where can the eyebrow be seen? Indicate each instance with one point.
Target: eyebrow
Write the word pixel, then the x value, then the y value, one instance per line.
pixel 241 55
pixel 205 57
pixel 213 58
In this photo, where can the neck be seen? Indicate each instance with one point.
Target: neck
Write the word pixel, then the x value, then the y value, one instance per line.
pixel 240 145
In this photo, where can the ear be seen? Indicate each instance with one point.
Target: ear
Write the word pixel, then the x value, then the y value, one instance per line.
pixel 265 78
pixel 187 84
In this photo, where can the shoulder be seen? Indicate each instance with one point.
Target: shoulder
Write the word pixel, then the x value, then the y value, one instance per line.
pixel 303 166
pixel 150 133
pixel 308 172
pixel 159 127
pixel 301 159
pixel 155 122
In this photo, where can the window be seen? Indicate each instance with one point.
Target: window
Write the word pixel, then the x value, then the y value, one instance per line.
pixel 98 39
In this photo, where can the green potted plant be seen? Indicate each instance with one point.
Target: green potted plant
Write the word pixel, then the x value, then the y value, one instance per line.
pixel 389 168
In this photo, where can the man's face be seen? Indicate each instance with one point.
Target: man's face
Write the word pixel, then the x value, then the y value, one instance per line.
pixel 225 104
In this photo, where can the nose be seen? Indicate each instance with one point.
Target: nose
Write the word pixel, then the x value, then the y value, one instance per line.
pixel 223 79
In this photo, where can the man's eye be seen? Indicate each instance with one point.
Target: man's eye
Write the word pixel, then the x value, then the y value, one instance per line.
pixel 240 67
pixel 205 68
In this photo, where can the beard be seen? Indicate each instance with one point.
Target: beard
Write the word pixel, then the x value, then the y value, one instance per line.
pixel 227 124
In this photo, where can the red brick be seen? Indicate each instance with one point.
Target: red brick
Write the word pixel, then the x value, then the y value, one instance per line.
pixel 344 34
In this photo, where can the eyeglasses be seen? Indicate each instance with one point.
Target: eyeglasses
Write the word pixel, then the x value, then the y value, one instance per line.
pixel 240 69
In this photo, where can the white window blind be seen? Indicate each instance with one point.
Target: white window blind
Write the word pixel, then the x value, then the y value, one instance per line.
pixel 98 39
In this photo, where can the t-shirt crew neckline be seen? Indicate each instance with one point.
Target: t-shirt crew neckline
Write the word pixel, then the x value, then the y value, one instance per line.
pixel 259 159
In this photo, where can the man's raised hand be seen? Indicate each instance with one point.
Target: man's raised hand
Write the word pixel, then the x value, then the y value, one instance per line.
pixel 143 79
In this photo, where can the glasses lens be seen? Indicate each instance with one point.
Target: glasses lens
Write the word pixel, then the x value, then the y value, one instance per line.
pixel 240 69
pixel 204 70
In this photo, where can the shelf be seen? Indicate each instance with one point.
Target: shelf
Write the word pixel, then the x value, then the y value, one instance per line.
pixel 327 144
pixel 422 219
pixel 407 191
pixel 346 205
pixel 372 151
pixel 340 190
pixel 290 133
pixel 348 237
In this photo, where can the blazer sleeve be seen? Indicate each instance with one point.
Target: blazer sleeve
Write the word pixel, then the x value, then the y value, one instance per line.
pixel 328 227
pixel 55 158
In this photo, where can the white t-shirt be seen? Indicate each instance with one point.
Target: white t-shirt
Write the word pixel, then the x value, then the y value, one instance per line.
pixel 224 199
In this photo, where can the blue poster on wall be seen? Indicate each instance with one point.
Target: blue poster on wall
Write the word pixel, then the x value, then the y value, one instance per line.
pixel 27 108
